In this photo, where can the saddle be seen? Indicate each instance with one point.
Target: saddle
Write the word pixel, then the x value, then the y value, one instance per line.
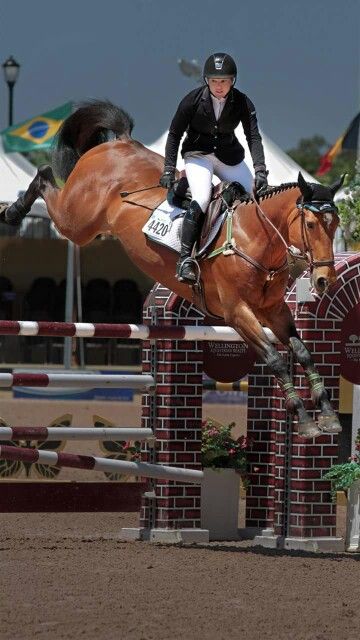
pixel 223 197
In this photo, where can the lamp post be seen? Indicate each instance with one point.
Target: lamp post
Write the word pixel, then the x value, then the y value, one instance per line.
pixel 11 72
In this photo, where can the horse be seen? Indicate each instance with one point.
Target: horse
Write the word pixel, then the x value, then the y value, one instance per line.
pixel 111 186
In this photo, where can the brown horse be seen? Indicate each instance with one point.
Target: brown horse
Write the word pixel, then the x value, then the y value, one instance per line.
pixel 98 159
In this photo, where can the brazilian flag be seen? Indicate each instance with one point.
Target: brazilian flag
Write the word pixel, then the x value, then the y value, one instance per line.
pixel 36 133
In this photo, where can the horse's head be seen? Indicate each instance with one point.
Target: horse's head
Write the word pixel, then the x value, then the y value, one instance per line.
pixel 313 229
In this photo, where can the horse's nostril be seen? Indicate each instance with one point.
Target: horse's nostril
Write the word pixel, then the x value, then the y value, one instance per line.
pixel 322 283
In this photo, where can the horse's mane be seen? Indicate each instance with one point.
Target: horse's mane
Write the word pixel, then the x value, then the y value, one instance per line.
pixel 272 191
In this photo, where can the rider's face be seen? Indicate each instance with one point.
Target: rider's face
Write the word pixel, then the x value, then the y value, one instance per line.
pixel 220 87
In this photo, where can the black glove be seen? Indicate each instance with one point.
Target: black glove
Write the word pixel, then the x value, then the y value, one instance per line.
pixel 261 182
pixel 167 179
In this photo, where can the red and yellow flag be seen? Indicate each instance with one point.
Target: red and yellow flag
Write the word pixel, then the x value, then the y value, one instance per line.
pixel 349 140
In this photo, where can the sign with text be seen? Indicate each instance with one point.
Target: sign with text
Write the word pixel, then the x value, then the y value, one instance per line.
pixel 227 361
pixel 350 346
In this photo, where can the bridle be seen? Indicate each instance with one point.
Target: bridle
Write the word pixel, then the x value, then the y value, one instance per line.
pixel 318 207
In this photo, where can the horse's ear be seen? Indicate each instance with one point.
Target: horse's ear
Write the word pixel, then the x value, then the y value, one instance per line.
pixel 304 187
pixel 337 184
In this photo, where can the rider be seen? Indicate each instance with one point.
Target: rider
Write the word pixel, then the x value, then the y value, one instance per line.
pixel 210 115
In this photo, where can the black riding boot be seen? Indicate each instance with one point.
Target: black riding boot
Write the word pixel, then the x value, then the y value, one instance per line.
pixel 192 224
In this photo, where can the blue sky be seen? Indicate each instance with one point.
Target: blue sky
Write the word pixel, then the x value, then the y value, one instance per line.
pixel 298 61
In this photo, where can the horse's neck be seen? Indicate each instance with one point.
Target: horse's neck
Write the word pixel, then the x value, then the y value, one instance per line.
pixel 265 231
pixel 279 208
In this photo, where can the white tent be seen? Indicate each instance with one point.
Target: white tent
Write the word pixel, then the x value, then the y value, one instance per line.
pixel 281 167
pixel 16 174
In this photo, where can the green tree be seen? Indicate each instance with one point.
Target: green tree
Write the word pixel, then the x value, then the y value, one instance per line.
pixel 309 152
pixel 349 210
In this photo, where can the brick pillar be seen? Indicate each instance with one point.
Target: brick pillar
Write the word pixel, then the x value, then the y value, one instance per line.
pixel 268 427
pixel 288 501
pixel 288 498
pixel 312 514
pixel 175 414
pixel 261 493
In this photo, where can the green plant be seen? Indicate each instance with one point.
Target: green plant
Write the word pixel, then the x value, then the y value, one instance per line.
pixel 220 450
pixel 349 209
pixel 342 476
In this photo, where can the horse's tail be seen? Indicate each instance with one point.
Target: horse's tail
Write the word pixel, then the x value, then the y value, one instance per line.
pixel 94 122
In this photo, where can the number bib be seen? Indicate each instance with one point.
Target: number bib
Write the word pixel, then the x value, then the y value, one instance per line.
pixel 164 226
pixel 159 225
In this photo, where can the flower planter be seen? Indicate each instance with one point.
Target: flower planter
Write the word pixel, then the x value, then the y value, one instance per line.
pixel 353 517
pixel 220 491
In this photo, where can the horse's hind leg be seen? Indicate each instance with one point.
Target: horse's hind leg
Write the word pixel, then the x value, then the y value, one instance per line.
pixel 44 180
pixel 285 329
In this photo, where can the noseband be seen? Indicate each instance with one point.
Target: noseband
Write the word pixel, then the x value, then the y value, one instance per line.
pixel 319 207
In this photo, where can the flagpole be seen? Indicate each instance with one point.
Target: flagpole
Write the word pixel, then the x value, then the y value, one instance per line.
pixel 11 103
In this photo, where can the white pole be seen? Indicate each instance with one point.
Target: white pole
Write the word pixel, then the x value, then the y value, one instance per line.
pixel 69 302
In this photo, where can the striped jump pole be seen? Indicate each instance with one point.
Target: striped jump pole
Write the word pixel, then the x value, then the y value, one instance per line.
pixel 83 380
pixel 126 331
pixel 143 469
pixel 52 434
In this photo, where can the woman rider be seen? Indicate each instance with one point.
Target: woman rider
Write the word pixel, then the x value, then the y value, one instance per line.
pixel 210 115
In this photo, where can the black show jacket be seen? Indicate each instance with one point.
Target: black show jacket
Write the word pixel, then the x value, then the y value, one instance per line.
pixel 195 115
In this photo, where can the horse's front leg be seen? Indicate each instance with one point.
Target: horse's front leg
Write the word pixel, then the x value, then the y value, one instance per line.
pixel 285 329
pixel 16 212
pixel 328 421
pixel 243 320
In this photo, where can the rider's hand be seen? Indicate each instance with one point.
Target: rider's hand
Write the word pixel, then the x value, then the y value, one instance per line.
pixel 261 182
pixel 167 179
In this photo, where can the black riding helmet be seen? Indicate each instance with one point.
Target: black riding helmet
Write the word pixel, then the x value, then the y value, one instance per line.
pixel 219 65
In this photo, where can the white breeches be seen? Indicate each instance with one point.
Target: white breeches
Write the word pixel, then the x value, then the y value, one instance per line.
pixel 200 170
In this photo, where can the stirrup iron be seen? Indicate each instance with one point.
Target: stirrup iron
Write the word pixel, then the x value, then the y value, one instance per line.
pixel 192 263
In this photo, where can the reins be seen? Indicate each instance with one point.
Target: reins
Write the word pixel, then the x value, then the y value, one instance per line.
pixel 229 246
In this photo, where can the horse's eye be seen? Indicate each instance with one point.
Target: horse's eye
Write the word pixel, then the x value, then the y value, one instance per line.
pixel 310 224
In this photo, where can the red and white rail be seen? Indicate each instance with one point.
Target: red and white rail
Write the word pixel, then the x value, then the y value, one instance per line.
pixel 83 380
pixel 126 331
pixel 52 434
pixel 143 469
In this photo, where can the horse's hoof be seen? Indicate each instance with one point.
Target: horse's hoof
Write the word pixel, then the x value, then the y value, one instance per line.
pixel 309 430
pixel 329 424
pixel 3 207
pixel 13 216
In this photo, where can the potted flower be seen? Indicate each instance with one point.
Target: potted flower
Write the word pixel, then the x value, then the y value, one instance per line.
pixel 346 478
pixel 224 459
